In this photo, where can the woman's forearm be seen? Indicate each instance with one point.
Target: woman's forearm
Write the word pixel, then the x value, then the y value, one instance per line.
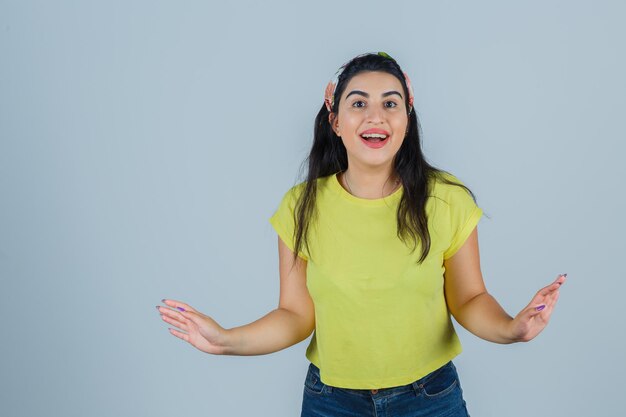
pixel 484 317
pixel 277 330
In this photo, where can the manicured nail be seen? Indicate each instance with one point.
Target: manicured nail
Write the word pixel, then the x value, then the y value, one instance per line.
pixel 541 307
pixel 163 300
pixel 181 309
pixel 564 275
pixel 157 307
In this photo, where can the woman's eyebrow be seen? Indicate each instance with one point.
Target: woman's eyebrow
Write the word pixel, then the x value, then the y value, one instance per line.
pixel 366 95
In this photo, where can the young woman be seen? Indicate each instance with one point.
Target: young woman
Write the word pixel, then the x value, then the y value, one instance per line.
pixel 377 248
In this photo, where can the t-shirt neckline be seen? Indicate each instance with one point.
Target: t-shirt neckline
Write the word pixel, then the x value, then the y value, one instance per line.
pixel 336 186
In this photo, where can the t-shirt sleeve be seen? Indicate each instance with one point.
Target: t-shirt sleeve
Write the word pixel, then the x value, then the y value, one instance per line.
pixel 283 219
pixel 464 216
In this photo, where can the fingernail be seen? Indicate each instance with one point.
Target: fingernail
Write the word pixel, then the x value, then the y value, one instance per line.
pixel 163 300
pixel 181 309
pixel 541 307
pixel 157 307
pixel 564 275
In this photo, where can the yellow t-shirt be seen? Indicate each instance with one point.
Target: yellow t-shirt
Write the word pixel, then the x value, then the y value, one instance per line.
pixel 381 320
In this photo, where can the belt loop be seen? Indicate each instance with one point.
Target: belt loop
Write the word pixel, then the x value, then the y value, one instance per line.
pixel 417 387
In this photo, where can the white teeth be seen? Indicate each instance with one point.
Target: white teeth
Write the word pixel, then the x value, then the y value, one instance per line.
pixel 374 135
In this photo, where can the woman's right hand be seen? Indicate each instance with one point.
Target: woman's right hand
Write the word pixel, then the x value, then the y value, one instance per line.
pixel 202 331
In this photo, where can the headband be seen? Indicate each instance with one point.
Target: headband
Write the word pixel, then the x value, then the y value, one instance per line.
pixel 329 94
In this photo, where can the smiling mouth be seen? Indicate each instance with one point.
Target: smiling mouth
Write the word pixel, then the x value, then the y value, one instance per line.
pixel 375 137
pixel 374 141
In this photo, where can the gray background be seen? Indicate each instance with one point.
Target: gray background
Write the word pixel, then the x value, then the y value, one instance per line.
pixel 144 145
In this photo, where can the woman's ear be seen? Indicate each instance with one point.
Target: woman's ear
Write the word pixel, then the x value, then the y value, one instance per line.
pixel 334 123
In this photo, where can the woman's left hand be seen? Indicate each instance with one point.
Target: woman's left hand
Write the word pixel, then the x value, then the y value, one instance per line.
pixel 530 321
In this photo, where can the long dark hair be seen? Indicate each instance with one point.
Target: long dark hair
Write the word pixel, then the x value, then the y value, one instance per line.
pixel 328 156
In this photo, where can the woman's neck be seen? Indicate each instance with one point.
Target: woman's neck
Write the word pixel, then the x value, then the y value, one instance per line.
pixel 369 185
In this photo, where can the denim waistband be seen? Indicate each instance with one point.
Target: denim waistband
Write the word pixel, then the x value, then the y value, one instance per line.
pixel 385 392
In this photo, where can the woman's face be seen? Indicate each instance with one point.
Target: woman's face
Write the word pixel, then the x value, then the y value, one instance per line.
pixel 373 102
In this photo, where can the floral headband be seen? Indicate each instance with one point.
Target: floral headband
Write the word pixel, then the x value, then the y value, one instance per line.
pixel 329 94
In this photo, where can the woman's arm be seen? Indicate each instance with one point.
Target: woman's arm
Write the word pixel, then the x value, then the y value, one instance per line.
pixel 290 323
pixel 477 311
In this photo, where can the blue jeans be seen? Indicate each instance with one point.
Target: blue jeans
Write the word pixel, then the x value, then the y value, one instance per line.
pixel 438 394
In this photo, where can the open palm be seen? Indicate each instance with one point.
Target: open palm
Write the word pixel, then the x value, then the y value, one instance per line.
pixel 200 330
pixel 530 321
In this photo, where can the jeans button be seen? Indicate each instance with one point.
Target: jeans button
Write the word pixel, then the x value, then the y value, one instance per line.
pixel 374 391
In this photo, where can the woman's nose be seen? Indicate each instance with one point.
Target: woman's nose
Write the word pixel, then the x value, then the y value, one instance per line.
pixel 375 114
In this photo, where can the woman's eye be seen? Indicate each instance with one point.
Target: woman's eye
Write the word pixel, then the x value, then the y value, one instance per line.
pixel 388 104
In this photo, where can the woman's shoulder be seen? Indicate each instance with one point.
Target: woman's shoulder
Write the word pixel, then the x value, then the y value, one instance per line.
pixel 447 186
pixel 296 190
pixel 444 180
